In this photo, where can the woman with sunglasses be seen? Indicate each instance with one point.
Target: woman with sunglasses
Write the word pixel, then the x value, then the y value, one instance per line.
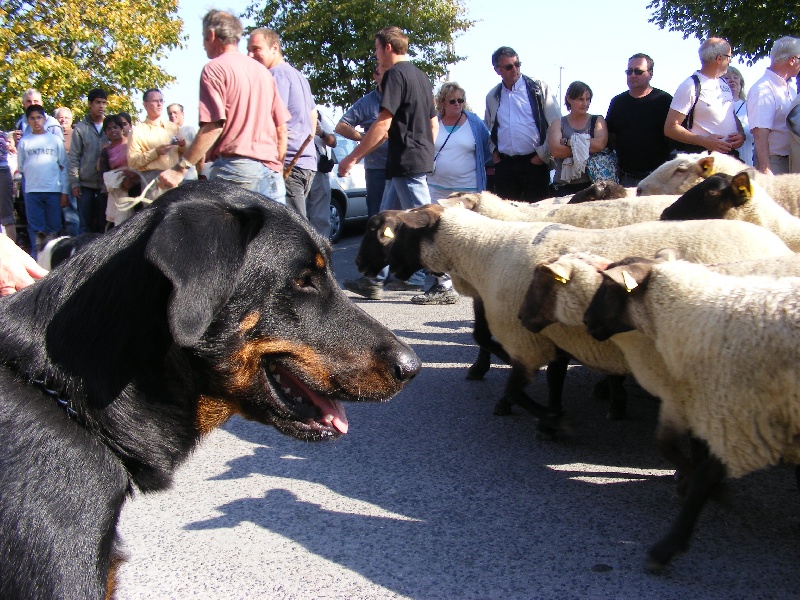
pixel 566 133
pixel 459 165
pixel 462 146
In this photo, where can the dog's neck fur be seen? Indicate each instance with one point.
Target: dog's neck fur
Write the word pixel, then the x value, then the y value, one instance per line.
pixel 117 328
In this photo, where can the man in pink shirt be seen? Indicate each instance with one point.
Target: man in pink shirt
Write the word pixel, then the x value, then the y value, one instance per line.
pixel 242 117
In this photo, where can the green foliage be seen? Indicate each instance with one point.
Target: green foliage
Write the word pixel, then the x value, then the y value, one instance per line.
pixel 750 26
pixel 332 41
pixel 64 48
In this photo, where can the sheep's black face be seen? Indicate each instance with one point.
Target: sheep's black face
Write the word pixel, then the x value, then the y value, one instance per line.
pixel 606 313
pixel 709 199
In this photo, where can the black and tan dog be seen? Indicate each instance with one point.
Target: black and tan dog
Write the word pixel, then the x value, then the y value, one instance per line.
pixel 213 302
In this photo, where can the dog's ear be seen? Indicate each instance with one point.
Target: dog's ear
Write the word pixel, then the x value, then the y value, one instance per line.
pixel 201 251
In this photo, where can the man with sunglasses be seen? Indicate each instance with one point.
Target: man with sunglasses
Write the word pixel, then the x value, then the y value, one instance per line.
pixel 518 111
pixel 713 126
pixel 635 123
pixel 768 104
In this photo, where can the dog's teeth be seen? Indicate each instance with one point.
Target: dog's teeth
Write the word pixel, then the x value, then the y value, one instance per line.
pixel 272 367
pixel 328 419
pixel 277 377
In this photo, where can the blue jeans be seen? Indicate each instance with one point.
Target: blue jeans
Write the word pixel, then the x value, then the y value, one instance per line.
pixel 406 192
pixel 43 210
pixel 92 210
pixel 250 174
pixel 376 184
pixel 72 224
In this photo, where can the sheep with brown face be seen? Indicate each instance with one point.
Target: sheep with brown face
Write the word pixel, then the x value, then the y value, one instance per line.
pixel 492 260
pixel 687 170
pixel 737 197
pixel 703 327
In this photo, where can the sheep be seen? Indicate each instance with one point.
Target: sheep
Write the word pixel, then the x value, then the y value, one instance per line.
pixel 687 170
pixel 600 214
pixel 724 196
pixel 708 327
pixel 601 190
pixel 492 260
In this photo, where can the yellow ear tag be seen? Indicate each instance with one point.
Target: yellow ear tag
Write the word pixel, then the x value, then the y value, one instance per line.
pixel 388 232
pixel 630 282
pixel 559 273
pixel 460 204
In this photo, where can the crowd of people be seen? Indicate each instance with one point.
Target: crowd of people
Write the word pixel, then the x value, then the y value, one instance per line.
pixel 260 128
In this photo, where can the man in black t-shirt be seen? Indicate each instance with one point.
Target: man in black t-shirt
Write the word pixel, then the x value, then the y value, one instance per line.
pixel 635 123
pixel 408 118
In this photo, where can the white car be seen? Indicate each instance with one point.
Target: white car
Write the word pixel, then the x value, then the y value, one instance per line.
pixel 348 194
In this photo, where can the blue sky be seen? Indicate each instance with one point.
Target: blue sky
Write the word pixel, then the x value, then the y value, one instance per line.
pixel 583 40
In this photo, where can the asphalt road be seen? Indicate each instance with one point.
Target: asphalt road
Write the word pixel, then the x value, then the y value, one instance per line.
pixel 431 496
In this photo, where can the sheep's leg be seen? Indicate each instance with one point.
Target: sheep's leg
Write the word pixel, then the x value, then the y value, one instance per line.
pixel 707 476
pixel 618 396
pixel 515 392
pixel 667 444
pixel 486 344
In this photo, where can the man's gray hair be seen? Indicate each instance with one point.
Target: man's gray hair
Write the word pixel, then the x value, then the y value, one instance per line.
pixel 227 28
pixel 784 48
pixel 30 92
pixel 713 47
pixel 62 109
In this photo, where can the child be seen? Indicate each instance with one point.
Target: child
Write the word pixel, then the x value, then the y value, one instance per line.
pixel 43 162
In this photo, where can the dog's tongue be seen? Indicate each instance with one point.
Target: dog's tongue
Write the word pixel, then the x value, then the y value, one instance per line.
pixel 332 412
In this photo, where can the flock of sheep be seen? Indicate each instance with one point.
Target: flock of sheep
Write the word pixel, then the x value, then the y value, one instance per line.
pixel 695 295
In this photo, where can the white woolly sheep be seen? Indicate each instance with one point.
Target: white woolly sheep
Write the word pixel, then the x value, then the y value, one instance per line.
pixel 493 260
pixel 737 197
pixel 687 170
pixel 599 214
pixel 707 327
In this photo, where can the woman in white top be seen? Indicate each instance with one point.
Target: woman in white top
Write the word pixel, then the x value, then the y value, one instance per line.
pixel 462 151
pixel 735 81
pixel 462 146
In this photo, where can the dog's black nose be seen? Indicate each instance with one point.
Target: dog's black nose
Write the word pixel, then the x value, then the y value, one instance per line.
pixel 407 365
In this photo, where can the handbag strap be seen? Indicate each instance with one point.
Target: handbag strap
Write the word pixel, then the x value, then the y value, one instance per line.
pixel 449 133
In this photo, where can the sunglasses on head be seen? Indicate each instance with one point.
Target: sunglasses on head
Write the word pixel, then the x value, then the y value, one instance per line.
pixel 454 100
pixel 636 71
pixel 515 65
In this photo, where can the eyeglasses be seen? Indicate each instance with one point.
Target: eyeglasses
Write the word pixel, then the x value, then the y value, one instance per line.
pixel 635 71
pixel 454 100
pixel 515 65
pixel 728 56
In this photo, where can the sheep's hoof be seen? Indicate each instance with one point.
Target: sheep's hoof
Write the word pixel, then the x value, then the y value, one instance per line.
pixel 476 372
pixel 662 554
pixel 552 427
pixel 503 407
pixel 602 390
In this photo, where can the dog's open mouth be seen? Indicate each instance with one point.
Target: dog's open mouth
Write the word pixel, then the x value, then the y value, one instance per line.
pixel 316 412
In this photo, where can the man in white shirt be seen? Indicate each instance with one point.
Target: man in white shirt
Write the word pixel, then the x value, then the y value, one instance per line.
pixel 714 125
pixel 188 132
pixel 518 112
pixel 768 103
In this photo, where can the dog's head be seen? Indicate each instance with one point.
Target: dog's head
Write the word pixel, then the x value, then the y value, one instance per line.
pixel 233 293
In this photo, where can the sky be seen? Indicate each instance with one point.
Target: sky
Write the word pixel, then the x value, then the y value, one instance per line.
pixel 585 40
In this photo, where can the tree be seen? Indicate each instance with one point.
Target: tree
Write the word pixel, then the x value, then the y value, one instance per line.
pixel 64 48
pixel 332 41
pixel 750 26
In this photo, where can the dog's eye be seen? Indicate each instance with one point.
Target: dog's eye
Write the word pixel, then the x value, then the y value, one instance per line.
pixel 305 281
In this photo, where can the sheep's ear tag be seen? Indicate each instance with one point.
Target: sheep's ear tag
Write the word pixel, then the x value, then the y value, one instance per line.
pixel 388 233
pixel 460 204
pixel 559 273
pixel 629 281
pixel 707 166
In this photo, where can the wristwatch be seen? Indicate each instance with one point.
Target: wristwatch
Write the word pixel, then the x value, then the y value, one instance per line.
pixel 183 163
